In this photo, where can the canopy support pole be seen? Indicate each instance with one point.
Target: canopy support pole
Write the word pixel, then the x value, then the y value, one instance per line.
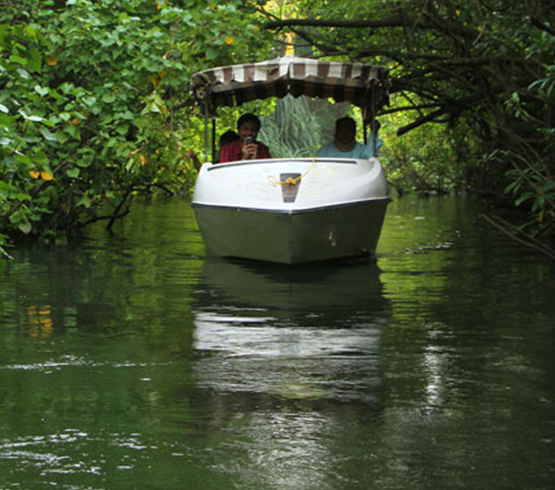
pixel 206 132
pixel 213 139
pixel 364 129
pixel 372 123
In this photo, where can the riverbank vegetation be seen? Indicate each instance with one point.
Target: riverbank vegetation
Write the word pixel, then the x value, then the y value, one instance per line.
pixel 95 104
pixel 481 70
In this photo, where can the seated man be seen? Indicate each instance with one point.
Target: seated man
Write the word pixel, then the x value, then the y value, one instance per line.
pixel 345 145
pixel 246 147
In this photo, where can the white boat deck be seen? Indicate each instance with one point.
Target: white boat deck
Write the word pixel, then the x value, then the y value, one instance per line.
pixel 315 182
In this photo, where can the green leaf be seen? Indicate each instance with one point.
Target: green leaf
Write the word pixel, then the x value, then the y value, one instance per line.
pixel 42 91
pixel 73 131
pixel 126 115
pixel 4 109
pixel 4 29
pixel 523 198
pixel 84 201
pixel 73 173
pixel 89 101
pixel 62 137
pixel 48 123
pixel 23 73
pixel 84 162
pixel 41 158
pixel 6 120
pixel 211 54
pixel 109 98
pixel 23 159
pixel 25 227
pixel 123 129
pixel 22 197
pixel 18 59
pixel 30 32
pixel 35 60
pixel 48 135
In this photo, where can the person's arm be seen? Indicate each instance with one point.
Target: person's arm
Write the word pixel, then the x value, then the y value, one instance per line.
pixel 374 141
pixel 194 158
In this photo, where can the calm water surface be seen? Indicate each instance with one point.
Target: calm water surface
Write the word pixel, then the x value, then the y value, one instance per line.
pixel 133 362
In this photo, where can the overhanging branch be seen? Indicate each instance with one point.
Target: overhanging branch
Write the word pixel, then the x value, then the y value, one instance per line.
pixel 422 120
pixel 439 24
pixel 543 27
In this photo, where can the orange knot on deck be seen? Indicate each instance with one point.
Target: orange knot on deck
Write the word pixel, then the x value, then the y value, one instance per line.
pixel 291 180
pixel 287 181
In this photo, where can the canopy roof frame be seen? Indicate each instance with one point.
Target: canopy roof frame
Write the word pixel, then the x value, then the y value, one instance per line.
pixel 234 85
pixel 365 86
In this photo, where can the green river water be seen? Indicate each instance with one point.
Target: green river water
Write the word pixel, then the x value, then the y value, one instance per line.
pixel 134 362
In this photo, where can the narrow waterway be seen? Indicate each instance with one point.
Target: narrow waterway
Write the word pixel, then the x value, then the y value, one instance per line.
pixel 133 362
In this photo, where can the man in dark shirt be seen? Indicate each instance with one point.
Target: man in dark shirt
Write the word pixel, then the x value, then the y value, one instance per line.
pixel 246 147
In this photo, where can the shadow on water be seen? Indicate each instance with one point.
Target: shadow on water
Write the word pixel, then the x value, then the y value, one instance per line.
pixel 304 333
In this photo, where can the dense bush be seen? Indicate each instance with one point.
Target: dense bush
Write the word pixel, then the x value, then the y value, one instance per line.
pixel 95 104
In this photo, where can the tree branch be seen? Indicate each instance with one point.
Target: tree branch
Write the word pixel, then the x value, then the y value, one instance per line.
pixel 422 120
pixel 350 24
pixel 111 217
pixel 540 25
pixel 440 24
pixel 513 232
pixel 408 108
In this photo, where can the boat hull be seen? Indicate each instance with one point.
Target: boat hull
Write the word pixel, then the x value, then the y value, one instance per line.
pixel 291 211
pixel 293 237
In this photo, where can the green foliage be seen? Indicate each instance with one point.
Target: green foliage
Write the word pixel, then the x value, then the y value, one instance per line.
pixel 425 160
pixel 532 178
pixel 95 103
pixel 298 127
pixel 483 69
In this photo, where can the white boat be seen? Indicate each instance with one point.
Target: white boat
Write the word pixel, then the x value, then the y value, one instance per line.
pixel 291 210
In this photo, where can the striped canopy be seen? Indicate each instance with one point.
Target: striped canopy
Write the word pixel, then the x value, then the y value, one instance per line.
pixel 363 85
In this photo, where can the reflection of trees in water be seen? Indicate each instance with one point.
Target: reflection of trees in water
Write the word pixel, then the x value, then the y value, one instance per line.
pixel 310 333
pixel 138 281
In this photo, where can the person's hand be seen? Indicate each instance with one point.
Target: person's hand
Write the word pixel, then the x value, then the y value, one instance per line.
pixel 249 151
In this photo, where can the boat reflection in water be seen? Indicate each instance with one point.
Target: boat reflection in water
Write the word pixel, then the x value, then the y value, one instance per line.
pixel 310 332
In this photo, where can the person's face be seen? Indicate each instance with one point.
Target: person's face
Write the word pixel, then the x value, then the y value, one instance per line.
pixel 248 128
pixel 344 134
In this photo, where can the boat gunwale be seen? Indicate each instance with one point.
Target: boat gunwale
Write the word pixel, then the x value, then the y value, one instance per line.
pixel 269 161
pixel 292 210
